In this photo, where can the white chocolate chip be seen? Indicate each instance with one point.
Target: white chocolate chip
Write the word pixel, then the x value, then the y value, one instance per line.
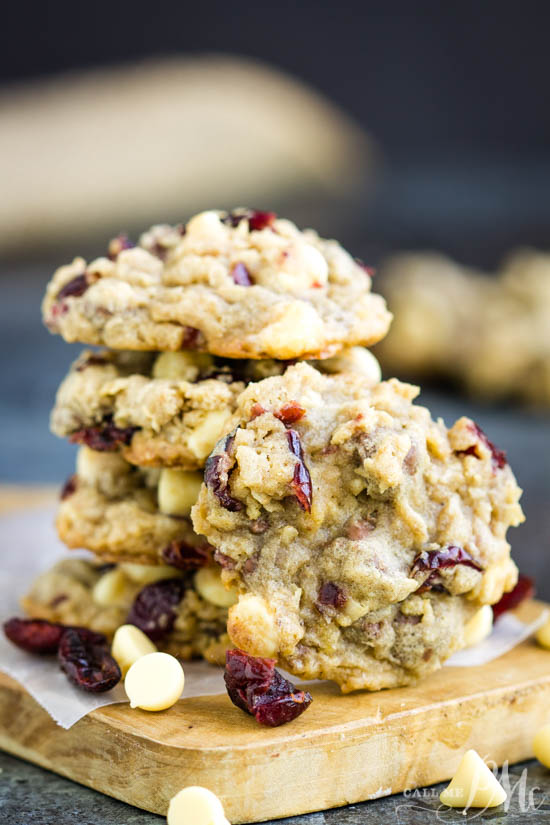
pixel 543 635
pixel 203 439
pixel 178 490
pixel 473 785
pixel 355 359
pixel 296 331
pixel 154 682
pixel 130 644
pixel 112 590
pixel 148 573
pixel 204 225
pixel 196 806
pixel 303 268
pixel 479 626
pixel 251 626
pixel 541 745
pixel 208 584
pixel 351 611
pixel 92 466
pixel 181 366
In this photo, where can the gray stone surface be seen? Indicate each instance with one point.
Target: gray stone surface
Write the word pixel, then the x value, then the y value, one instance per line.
pixel 33 796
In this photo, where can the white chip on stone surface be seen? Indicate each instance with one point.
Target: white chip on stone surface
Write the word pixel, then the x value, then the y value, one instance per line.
pixel 541 745
pixel 196 806
pixel 473 785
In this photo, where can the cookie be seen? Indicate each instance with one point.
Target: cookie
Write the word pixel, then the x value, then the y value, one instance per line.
pixel 489 334
pixel 165 410
pixel 360 533
pixel 243 284
pixel 79 592
pixel 125 513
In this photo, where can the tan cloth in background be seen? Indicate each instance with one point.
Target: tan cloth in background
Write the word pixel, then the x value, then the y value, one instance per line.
pixel 87 154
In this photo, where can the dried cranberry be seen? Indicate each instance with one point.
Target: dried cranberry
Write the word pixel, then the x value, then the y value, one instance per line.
pixel 257 219
pixel 91 361
pixel 524 589
pixel 256 410
pixel 68 488
pixel 432 561
pixel 154 609
pixel 498 457
pixel 370 270
pixel 330 595
pixel 117 245
pixel 216 475
pixel 104 437
pixel 74 288
pixel 241 275
pixel 301 481
pixel 253 685
pixel 290 413
pixel 34 635
pixel 85 658
pixel 192 338
pixel 186 556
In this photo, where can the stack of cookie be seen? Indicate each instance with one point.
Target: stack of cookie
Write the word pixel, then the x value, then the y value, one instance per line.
pixel 191 315
pixel 235 497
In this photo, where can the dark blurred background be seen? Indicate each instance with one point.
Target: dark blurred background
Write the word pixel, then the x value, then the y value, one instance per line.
pixel 439 125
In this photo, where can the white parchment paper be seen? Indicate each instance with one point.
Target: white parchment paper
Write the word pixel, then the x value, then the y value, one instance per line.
pixel 29 545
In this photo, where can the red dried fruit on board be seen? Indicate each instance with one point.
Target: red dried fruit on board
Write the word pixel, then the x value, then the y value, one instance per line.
pixel 104 437
pixel 154 608
pixel 34 635
pixel 253 685
pixel 432 561
pixel 216 475
pixel 74 288
pixel 186 556
pixel 301 481
pixel 524 589
pixel 290 413
pixel 85 658
pixel 330 595
pixel 117 245
pixel 498 457
pixel 241 275
pixel 68 488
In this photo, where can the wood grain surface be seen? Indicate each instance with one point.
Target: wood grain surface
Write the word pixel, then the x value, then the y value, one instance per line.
pixel 342 750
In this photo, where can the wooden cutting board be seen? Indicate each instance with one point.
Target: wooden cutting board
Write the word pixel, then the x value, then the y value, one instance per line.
pixel 342 750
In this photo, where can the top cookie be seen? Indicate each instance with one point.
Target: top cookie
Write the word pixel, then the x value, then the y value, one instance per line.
pixel 243 284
